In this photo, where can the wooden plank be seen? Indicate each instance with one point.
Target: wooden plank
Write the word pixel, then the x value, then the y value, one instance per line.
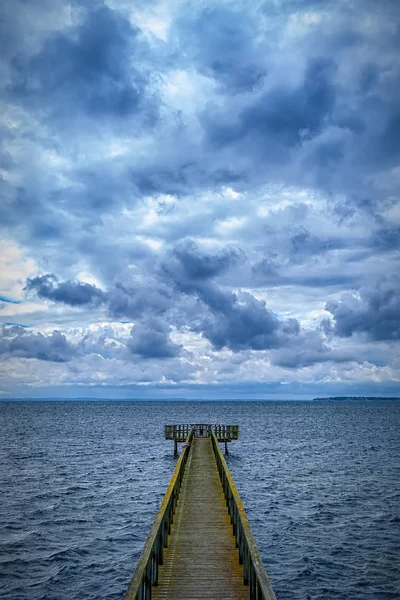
pixel 201 560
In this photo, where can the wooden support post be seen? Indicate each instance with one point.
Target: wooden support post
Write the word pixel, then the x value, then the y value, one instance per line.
pixel 175 447
pixel 226 447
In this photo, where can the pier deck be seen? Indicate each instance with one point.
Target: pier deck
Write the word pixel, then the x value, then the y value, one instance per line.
pixel 201 560
pixel 200 545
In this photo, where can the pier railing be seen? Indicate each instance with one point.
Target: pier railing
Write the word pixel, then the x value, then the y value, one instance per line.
pixel 146 572
pixel 177 432
pixel 180 432
pixel 254 574
pixel 226 432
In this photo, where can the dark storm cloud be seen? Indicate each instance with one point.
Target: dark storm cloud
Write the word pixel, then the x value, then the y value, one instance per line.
pixel 232 320
pixel 134 301
pixel 235 321
pixel 100 67
pixel 278 128
pixel 318 126
pixel 73 74
pixel 374 311
pixel 121 300
pixel 186 266
pixel 74 293
pixel 304 244
pixel 275 121
pixel 87 68
pixel 267 268
pixel 199 265
pixel 220 41
pixel 150 339
pixel 17 342
pixel 241 322
pixel 190 168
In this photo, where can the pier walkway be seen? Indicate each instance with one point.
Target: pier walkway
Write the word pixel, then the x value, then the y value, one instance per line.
pixel 200 546
pixel 201 560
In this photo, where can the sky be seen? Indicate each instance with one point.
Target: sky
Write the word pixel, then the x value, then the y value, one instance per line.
pixel 199 199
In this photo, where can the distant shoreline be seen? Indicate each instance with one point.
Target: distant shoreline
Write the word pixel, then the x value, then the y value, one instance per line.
pixel 355 398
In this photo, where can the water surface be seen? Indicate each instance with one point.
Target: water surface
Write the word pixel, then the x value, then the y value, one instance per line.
pixel 81 483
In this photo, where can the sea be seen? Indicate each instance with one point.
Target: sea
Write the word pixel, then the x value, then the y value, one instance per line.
pixel 81 482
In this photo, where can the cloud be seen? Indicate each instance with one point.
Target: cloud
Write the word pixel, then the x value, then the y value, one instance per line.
pixel 188 265
pixel 121 300
pixel 213 176
pixel 134 301
pixel 385 238
pixel 150 339
pixel 200 265
pixel 226 319
pixel 304 244
pixel 233 320
pixel 240 321
pixel 220 41
pixel 73 293
pixel 308 349
pixel 17 342
pixel 86 69
pixel 277 120
pixel 373 311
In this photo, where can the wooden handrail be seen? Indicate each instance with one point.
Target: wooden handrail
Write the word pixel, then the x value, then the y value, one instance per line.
pixel 254 574
pixel 223 432
pixel 146 572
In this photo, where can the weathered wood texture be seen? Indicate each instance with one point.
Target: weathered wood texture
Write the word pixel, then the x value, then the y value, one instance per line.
pixel 201 560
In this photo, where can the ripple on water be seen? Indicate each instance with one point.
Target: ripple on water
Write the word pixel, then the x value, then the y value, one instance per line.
pixel 82 481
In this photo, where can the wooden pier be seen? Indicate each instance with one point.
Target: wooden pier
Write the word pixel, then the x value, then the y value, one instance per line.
pixel 200 545
pixel 179 433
